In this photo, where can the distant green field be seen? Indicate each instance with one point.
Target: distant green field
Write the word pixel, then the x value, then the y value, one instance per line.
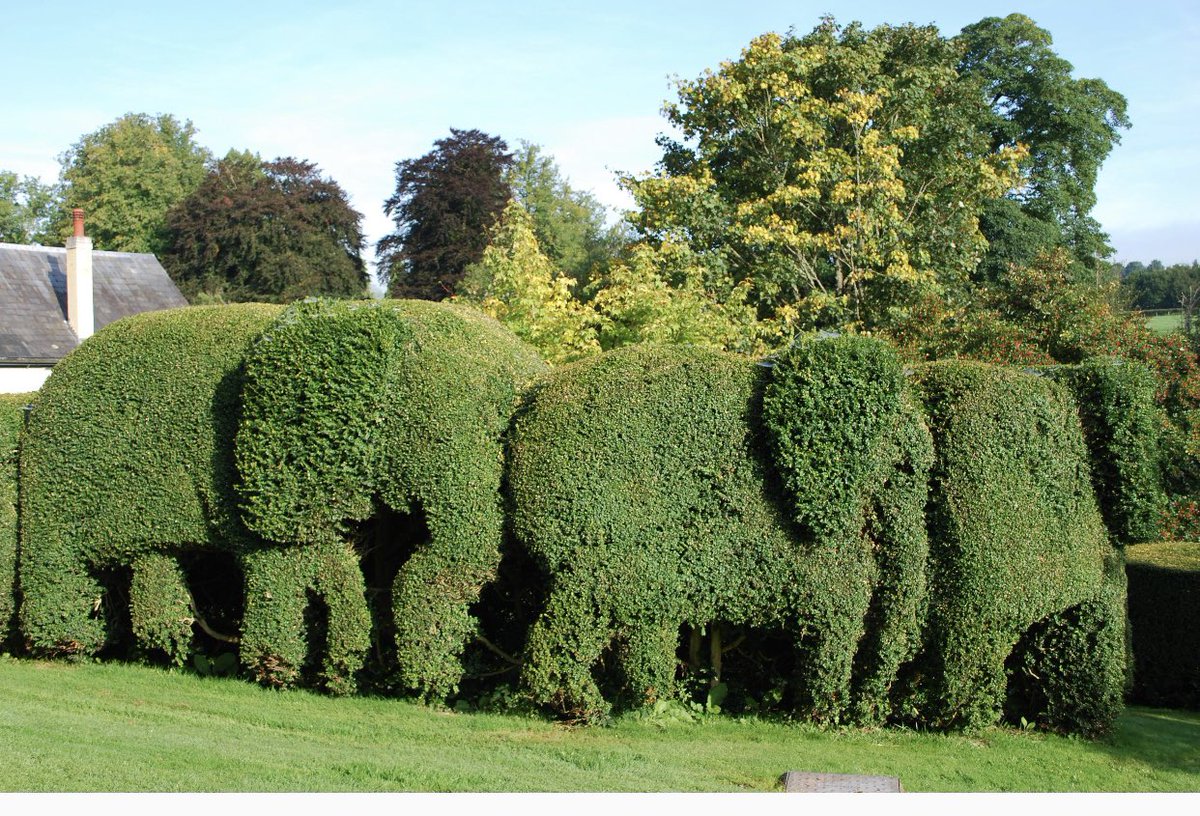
pixel 1178 555
pixel 113 727
pixel 1165 324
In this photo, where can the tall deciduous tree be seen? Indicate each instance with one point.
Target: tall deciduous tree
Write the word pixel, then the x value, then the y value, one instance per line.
pixel 569 223
pixel 444 204
pixel 25 209
pixel 266 231
pixel 840 173
pixel 515 282
pixel 1068 125
pixel 126 175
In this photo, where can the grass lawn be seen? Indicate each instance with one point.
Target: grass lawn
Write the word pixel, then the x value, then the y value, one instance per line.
pixel 1176 555
pixel 1165 324
pixel 115 727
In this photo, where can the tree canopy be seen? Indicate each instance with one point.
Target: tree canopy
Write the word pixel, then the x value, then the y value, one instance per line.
pixel 1068 125
pixel 516 283
pixel 443 206
pixel 267 231
pixel 841 173
pixel 25 208
pixel 126 176
pixel 569 223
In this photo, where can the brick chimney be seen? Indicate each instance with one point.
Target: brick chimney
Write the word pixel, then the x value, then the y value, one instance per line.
pixel 79 280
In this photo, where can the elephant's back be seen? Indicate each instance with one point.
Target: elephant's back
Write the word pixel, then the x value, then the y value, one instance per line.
pixel 643 453
pixel 128 441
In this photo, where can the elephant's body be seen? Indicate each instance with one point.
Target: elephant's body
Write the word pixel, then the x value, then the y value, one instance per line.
pixel 127 465
pixel 1017 543
pixel 642 483
pixel 355 411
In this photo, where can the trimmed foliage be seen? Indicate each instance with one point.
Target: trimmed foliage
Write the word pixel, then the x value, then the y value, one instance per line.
pixel 12 417
pixel 1164 615
pixel 641 483
pixel 1016 543
pixel 127 463
pixel 1122 426
pixel 354 411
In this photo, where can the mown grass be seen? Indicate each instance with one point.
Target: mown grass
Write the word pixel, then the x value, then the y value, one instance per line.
pixel 114 727
pixel 1175 555
pixel 1165 324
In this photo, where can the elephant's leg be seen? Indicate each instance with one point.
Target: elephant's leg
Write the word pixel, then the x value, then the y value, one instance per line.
pixel 1069 672
pixel 432 598
pixel 160 607
pixel 893 625
pixel 61 603
pixel 281 584
pixel 828 659
pixel 565 644
pixel 273 632
pixel 648 661
pixel 971 683
pixel 339 582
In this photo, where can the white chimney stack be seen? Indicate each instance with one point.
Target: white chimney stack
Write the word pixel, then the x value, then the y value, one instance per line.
pixel 79 280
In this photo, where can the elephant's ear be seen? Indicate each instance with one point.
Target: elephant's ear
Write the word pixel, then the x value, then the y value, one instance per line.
pixel 827 408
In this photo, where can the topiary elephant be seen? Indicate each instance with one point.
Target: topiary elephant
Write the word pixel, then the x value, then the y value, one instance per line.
pixel 12 417
pixel 1027 593
pixel 384 422
pixel 658 487
pixel 127 482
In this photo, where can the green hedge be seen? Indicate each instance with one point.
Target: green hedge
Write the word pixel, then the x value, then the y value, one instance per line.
pixel 356 413
pixel 1122 426
pixel 1164 615
pixel 1017 542
pixel 12 418
pixel 642 483
pixel 128 453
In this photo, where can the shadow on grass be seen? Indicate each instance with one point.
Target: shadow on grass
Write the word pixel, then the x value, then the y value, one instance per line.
pixel 1167 739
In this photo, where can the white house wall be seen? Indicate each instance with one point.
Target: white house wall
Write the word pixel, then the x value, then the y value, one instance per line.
pixel 20 379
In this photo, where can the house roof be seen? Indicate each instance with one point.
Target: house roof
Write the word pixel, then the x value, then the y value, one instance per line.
pixel 33 298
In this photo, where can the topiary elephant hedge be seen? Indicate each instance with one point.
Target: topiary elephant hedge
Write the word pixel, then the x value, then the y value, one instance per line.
pixel 385 422
pixel 660 487
pixel 127 484
pixel 1027 593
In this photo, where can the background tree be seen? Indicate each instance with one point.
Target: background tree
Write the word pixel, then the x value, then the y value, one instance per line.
pixel 569 223
pixel 841 173
pixel 519 285
pixel 126 176
pixel 25 209
pixel 1068 125
pixel 1156 286
pixel 444 204
pixel 267 231
pixel 666 295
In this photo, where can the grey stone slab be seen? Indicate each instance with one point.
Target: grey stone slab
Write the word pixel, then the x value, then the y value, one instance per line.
pixel 809 782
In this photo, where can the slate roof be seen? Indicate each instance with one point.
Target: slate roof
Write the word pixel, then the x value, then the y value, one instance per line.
pixel 33 298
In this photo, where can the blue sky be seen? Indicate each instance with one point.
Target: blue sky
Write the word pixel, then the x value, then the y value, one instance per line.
pixel 358 85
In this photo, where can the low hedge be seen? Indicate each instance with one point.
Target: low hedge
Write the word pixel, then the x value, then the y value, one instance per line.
pixel 357 413
pixel 12 418
pixel 1164 616
pixel 128 452
pixel 1017 543
pixel 642 482
pixel 1122 426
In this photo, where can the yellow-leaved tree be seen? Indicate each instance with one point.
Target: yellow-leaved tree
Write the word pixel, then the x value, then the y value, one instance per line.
pixel 518 285
pixel 839 175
